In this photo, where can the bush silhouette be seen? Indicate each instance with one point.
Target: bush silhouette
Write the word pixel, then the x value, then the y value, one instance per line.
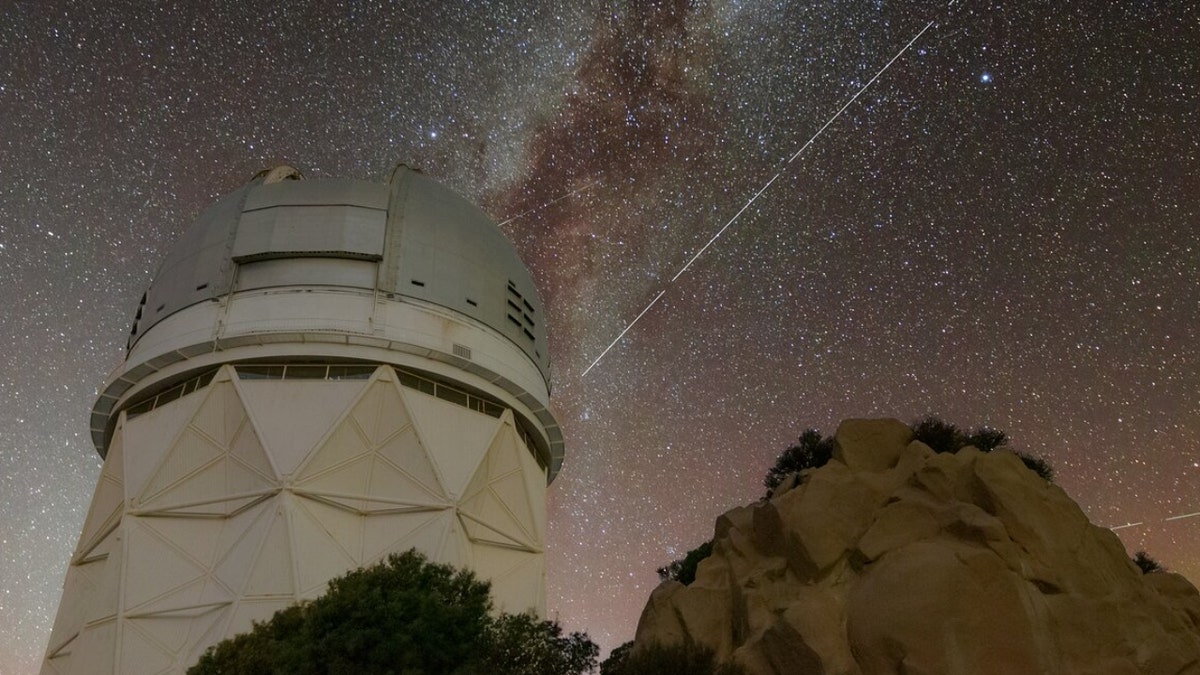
pixel 944 437
pixel 658 659
pixel 1038 465
pixel 617 660
pixel 684 570
pixel 1147 564
pixel 987 438
pixel 813 451
pixel 941 437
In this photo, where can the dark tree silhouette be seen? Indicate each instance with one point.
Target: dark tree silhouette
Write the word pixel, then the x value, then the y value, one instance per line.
pixel 657 659
pixel 684 570
pixel 941 437
pixel 1038 465
pixel 520 644
pixel 814 450
pixel 811 452
pixel 945 437
pixel 1147 564
pixel 987 438
pixel 405 615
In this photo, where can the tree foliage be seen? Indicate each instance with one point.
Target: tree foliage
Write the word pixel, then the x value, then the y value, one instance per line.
pixel 1038 465
pixel 814 450
pixel 406 616
pixel 1147 564
pixel 520 644
pixel 684 570
pixel 811 452
pixel 617 658
pixel 658 659
pixel 945 437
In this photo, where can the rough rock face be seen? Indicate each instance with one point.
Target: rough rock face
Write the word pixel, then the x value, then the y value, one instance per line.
pixel 893 559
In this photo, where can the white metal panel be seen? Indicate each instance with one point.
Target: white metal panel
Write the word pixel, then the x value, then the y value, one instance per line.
pixel 345 527
pixel 96 649
pixel 535 486
pixel 438 238
pixel 78 590
pixel 306 272
pixel 241 538
pixel 249 611
pixel 298 231
pixel 316 556
pixel 108 500
pixel 186 328
pixel 405 452
pixel 106 600
pixel 156 564
pixel 291 416
pixel 518 578
pixel 198 539
pixel 139 653
pixel 397 532
pixel 495 505
pixel 264 312
pixel 271 573
pixel 197 267
pixel 152 435
pixel 455 437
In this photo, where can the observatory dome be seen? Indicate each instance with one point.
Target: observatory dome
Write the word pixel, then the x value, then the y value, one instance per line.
pixel 321 374
pixel 343 270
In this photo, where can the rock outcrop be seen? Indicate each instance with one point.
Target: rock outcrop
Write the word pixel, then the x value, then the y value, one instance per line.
pixel 894 559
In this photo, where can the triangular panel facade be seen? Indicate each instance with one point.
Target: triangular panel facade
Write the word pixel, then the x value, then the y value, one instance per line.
pixel 221 507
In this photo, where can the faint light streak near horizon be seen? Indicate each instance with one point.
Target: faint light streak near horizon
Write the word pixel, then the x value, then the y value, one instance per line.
pixel 1165 520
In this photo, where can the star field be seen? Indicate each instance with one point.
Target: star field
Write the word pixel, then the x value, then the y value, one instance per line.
pixel 1003 230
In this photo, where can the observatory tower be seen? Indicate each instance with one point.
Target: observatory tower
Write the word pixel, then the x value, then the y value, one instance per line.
pixel 321 373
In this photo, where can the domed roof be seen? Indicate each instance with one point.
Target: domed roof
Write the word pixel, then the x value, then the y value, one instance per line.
pixel 431 244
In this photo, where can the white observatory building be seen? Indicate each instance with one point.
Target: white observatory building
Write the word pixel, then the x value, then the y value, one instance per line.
pixel 320 374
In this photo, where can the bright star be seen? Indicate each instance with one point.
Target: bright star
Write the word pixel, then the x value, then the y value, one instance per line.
pixel 986 78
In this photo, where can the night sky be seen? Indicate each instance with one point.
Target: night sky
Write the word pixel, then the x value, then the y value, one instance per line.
pixel 1003 230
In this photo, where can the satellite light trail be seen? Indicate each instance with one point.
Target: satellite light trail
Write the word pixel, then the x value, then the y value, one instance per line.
pixel 1165 520
pixel 1186 515
pixel 766 185
pixel 552 201
pixel 614 342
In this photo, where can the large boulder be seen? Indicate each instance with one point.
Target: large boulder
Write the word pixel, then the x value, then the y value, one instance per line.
pixel 894 559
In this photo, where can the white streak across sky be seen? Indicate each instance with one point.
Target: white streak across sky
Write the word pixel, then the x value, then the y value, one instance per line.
pixel 966 266
pixel 1165 520
pixel 764 188
pixel 576 191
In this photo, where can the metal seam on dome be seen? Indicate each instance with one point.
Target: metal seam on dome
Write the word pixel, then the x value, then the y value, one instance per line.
pixel 335 204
